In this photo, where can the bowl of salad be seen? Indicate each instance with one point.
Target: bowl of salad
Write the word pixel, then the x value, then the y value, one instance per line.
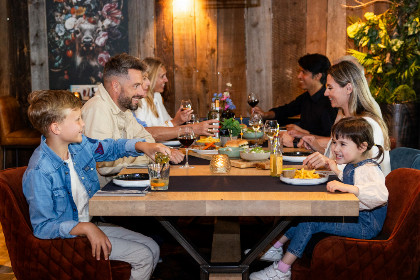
pixel 249 133
pixel 254 154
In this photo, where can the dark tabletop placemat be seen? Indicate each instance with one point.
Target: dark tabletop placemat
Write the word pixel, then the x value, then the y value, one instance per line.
pixel 229 184
pixel 237 184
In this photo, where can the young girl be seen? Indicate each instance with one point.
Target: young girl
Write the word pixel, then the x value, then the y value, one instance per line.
pixel 352 141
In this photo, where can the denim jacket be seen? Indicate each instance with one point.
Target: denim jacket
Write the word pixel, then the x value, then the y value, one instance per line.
pixel 47 187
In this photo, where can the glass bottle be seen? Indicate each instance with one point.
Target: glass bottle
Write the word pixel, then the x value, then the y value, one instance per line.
pixel 276 158
pixel 214 114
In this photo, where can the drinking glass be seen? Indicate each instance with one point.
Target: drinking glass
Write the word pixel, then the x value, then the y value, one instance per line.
pixel 255 121
pixel 193 119
pixel 253 99
pixel 186 104
pixel 186 137
pixel 270 128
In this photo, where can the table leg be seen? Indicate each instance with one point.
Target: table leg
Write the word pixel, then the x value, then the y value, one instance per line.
pixel 241 267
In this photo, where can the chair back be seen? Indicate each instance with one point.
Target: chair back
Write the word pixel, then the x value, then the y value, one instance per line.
pixel 404 195
pixel 405 157
pixel 9 115
pixel 14 216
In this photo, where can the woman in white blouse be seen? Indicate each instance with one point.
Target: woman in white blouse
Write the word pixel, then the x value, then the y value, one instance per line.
pixel 151 111
pixel 348 90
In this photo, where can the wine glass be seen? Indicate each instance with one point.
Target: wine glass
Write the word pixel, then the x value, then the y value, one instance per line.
pixel 186 104
pixel 186 137
pixel 270 128
pixel 253 99
pixel 193 119
pixel 255 121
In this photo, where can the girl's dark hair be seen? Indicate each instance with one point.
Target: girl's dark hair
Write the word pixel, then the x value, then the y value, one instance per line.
pixel 358 130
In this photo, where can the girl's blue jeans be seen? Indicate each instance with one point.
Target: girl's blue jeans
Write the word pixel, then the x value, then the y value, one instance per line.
pixel 367 226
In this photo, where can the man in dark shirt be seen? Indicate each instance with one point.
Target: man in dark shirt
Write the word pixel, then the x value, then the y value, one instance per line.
pixel 316 114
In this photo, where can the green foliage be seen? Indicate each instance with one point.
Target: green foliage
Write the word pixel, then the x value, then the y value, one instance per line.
pixel 388 46
pixel 232 125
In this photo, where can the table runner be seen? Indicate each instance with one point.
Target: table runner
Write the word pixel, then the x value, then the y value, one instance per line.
pixel 229 184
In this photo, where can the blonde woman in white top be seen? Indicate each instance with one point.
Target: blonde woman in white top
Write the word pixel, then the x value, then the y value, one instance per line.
pixel 348 90
pixel 151 111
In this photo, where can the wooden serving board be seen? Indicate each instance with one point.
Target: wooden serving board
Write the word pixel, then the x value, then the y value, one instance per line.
pixel 239 163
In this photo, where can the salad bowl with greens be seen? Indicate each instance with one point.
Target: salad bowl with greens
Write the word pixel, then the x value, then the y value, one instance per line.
pixel 254 154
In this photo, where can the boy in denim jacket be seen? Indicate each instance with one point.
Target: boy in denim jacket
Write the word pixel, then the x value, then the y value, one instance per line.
pixel 61 177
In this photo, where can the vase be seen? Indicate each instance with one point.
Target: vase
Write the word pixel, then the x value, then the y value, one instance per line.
pixel 402 121
pixel 224 139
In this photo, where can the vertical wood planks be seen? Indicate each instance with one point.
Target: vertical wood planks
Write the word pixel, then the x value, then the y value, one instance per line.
pixel 316 26
pixel 4 50
pixel 165 49
pixel 289 35
pixel 141 31
pixel 336 29
pixel 185 55
pixel 259 49
pixel 231 54
pixel 38 44
pixel 206 44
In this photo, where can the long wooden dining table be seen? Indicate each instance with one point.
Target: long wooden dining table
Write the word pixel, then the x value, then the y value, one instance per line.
pixel 242 192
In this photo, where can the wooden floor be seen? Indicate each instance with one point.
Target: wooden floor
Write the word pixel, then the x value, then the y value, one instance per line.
pixel 6 272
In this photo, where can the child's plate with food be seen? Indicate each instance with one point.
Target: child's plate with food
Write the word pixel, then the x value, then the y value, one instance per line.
pixel 132 180
pixel 305 177
pixel 295 156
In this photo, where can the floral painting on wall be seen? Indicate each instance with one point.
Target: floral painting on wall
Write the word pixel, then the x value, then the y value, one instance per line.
pixel 82 36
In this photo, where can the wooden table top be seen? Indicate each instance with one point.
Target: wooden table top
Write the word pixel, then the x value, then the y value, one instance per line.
pixel 166 203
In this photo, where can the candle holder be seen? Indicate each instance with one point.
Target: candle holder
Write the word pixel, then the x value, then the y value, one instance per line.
pixel 220 164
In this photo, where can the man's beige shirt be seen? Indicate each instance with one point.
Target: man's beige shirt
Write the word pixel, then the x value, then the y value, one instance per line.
pixel 104 119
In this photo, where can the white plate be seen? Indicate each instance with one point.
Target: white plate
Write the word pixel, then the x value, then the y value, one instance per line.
pixel 294 181
pixel 129 180
pixel 206 152
pixel 173 143
pixel 294 158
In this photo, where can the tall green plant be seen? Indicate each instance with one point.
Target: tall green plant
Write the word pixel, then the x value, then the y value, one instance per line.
pixel 388 46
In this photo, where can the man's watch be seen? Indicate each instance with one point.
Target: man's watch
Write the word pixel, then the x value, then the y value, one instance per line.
pixel 295 142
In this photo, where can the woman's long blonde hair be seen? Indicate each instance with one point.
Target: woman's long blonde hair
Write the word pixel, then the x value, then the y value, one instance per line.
pixel 153 66
pixel 361 101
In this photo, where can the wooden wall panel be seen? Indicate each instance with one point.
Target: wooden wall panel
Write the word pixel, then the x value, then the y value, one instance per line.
pixel 165 49
pixel 336 29
pixel 206 48
pixel 185 56
pixel 259 54
pixel 141 28
pixel 316 26
pixel 289 35
pixel 231 55
pixel 38 44
pixel 4 50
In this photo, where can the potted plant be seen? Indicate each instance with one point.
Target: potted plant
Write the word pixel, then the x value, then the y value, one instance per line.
pixel 230 128
pixel 387 45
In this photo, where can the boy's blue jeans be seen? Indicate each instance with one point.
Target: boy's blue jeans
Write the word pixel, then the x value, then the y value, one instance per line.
pixel 367 226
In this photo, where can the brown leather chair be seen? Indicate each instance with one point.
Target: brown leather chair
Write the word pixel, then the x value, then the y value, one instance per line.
pixel 34 258
pixel 13 132
pixel 394 254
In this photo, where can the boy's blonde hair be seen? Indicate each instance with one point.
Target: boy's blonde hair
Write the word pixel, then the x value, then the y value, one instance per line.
pixel 47 107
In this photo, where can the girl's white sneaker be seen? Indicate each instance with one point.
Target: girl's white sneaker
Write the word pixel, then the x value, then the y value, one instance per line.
pixel 271 273
pixel 272 255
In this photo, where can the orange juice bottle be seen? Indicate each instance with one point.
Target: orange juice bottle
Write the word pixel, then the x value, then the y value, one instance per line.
pixel 276 160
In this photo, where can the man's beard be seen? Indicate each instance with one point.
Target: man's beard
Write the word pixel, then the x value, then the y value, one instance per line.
pixel 126 102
